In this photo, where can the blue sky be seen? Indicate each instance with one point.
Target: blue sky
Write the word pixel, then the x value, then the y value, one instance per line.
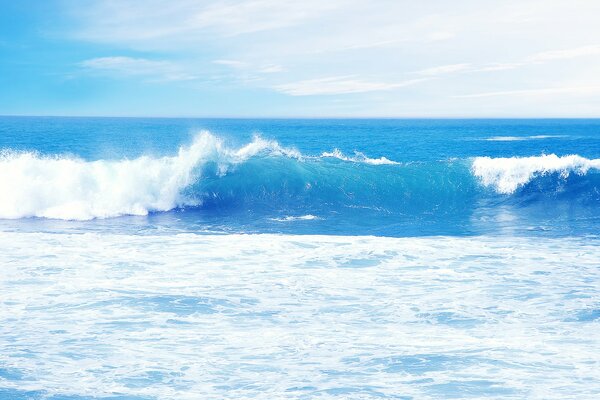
pixel 281 58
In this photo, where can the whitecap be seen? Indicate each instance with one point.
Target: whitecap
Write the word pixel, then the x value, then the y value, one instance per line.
pixel 506 175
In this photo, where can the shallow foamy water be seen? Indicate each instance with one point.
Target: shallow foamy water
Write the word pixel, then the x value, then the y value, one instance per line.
pixel 276 316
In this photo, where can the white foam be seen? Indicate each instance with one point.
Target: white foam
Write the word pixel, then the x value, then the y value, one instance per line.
pixel 359 158
pixel 520 138
pixel 70 188
pixel 285 317
pixel 289 218
pixel 506 175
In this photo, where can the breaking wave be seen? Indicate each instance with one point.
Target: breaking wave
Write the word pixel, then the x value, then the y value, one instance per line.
pixel 506 175
pixel 263 176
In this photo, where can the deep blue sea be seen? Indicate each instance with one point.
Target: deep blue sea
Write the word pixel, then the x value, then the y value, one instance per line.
pixel 149 258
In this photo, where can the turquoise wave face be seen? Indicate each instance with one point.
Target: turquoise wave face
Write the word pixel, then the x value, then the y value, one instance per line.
pixel 419 197
pixel 218 183
pixel 332 186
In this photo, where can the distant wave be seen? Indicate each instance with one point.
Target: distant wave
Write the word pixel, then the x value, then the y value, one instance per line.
pixel 520 138
pixel 506 175
pixel 290 218
pixel 273 182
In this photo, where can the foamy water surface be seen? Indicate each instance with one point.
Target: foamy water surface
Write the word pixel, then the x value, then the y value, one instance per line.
pixel 271 316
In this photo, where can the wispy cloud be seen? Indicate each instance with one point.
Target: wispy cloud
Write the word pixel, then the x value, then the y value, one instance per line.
pixel 128 66
pixel 237 17
pixel 231 63
pixel 321 48
pixel 444 69
pixel 339 85
pixel 243 65
pixel 536 58
pixel 496 67
pixel 188 20
pixel 270 69
pixel 572 90
pixel 565 54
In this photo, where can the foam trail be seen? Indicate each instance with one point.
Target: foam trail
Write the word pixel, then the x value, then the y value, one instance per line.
pixel 359 157
pixel 74 189
pixel 521 138
pixel 506 175
pixel 290 218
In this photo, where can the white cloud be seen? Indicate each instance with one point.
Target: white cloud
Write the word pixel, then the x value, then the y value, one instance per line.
pixel 444 69
pixel 270 69
pixel 231 63
pixel 339 85
pixel 536 58
pixel 497 67
pixel 565 54
pixel 571 90
pixel 232 18
pixel 189 20
pixel 243 65
pixel 364 46
pixel 128 66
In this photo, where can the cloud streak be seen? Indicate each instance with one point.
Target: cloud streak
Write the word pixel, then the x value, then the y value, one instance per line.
pixel 188 20
pixel 565 54
pixel 570 90
pixel 536 58
pixel 340 85
pixel 444 69
pixel 141 67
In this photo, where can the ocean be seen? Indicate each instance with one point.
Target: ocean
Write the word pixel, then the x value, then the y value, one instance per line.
pixel 151 258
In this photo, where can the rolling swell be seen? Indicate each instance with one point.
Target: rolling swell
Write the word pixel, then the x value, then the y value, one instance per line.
pixel 267 179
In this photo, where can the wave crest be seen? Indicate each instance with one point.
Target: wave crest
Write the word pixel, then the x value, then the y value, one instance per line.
pixel 358 157
pixel 270 179
pixel 506 175
pixel 64 187
pixel 70 188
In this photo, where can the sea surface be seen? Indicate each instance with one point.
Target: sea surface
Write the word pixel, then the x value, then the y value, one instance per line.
pixel 149 258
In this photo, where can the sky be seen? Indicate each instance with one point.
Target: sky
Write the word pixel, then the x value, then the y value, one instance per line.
pixel 310 58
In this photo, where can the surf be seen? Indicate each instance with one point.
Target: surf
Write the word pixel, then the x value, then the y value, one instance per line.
pixel 274 182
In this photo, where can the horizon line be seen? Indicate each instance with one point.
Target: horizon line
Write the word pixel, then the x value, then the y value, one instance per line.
pixel 441 117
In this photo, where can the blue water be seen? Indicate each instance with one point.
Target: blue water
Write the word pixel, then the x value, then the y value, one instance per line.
pixel 297 259
pixel 428 187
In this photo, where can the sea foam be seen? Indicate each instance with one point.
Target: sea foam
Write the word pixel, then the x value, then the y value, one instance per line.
pixel 506 175
pixel 70 188
pixel 358 157
pixel 296 317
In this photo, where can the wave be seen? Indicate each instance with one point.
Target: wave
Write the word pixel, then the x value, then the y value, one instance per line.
pixel 70 188
pixel 521 138
pixel 506 175
pixel 266 180
pixel 65 187
pixel 291 218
